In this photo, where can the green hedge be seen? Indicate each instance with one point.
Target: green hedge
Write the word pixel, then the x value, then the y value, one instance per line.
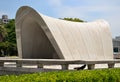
pixel 99 75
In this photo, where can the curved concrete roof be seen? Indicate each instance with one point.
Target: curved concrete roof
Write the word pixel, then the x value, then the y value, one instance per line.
pixel 40 36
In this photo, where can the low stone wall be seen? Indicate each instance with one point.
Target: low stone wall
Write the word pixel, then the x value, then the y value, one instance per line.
pixel 17 71
pixel 20 66
pixel 12 72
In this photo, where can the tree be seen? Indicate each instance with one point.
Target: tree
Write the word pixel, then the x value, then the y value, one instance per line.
pixel 11 31
pixel 73 19
pixel 8 45
pixel 3 33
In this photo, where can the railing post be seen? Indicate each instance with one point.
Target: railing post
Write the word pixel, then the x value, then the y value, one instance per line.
pixel 39 65
pixel 18 64
pixel 111 65
pixel 91 66
pixel 65 67
pixel 1 64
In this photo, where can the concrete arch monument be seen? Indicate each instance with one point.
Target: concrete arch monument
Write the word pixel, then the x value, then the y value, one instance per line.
pixel 43 37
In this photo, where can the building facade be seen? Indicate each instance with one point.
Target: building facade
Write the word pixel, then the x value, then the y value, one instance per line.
pixel 4 19
pixel 116 47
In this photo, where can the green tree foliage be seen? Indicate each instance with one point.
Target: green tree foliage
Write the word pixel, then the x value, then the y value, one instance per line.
pixel 3 33
pixel 73 19
pixel 8 44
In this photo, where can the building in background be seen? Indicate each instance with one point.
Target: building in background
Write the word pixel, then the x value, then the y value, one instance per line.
pixel 4 19
pixel 116 47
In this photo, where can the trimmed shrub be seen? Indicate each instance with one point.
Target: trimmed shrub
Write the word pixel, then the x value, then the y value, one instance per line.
pixel 98 75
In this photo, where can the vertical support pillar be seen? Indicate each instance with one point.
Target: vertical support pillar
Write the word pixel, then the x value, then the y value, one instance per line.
pixel 18 64
pixel 1 64
pixel 111 65
pixel 65 67
pixel 39 65
pixel 91 66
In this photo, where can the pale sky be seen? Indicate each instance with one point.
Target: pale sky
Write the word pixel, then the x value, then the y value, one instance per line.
pixel 88 10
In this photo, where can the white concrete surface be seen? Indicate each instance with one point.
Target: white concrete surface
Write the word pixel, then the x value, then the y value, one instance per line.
pixel 71 67
pixel 40 36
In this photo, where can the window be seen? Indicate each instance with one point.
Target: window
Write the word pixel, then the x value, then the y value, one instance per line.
pixel 115 49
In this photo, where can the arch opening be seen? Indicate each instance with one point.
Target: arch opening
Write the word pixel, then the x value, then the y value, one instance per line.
pixel 35 43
